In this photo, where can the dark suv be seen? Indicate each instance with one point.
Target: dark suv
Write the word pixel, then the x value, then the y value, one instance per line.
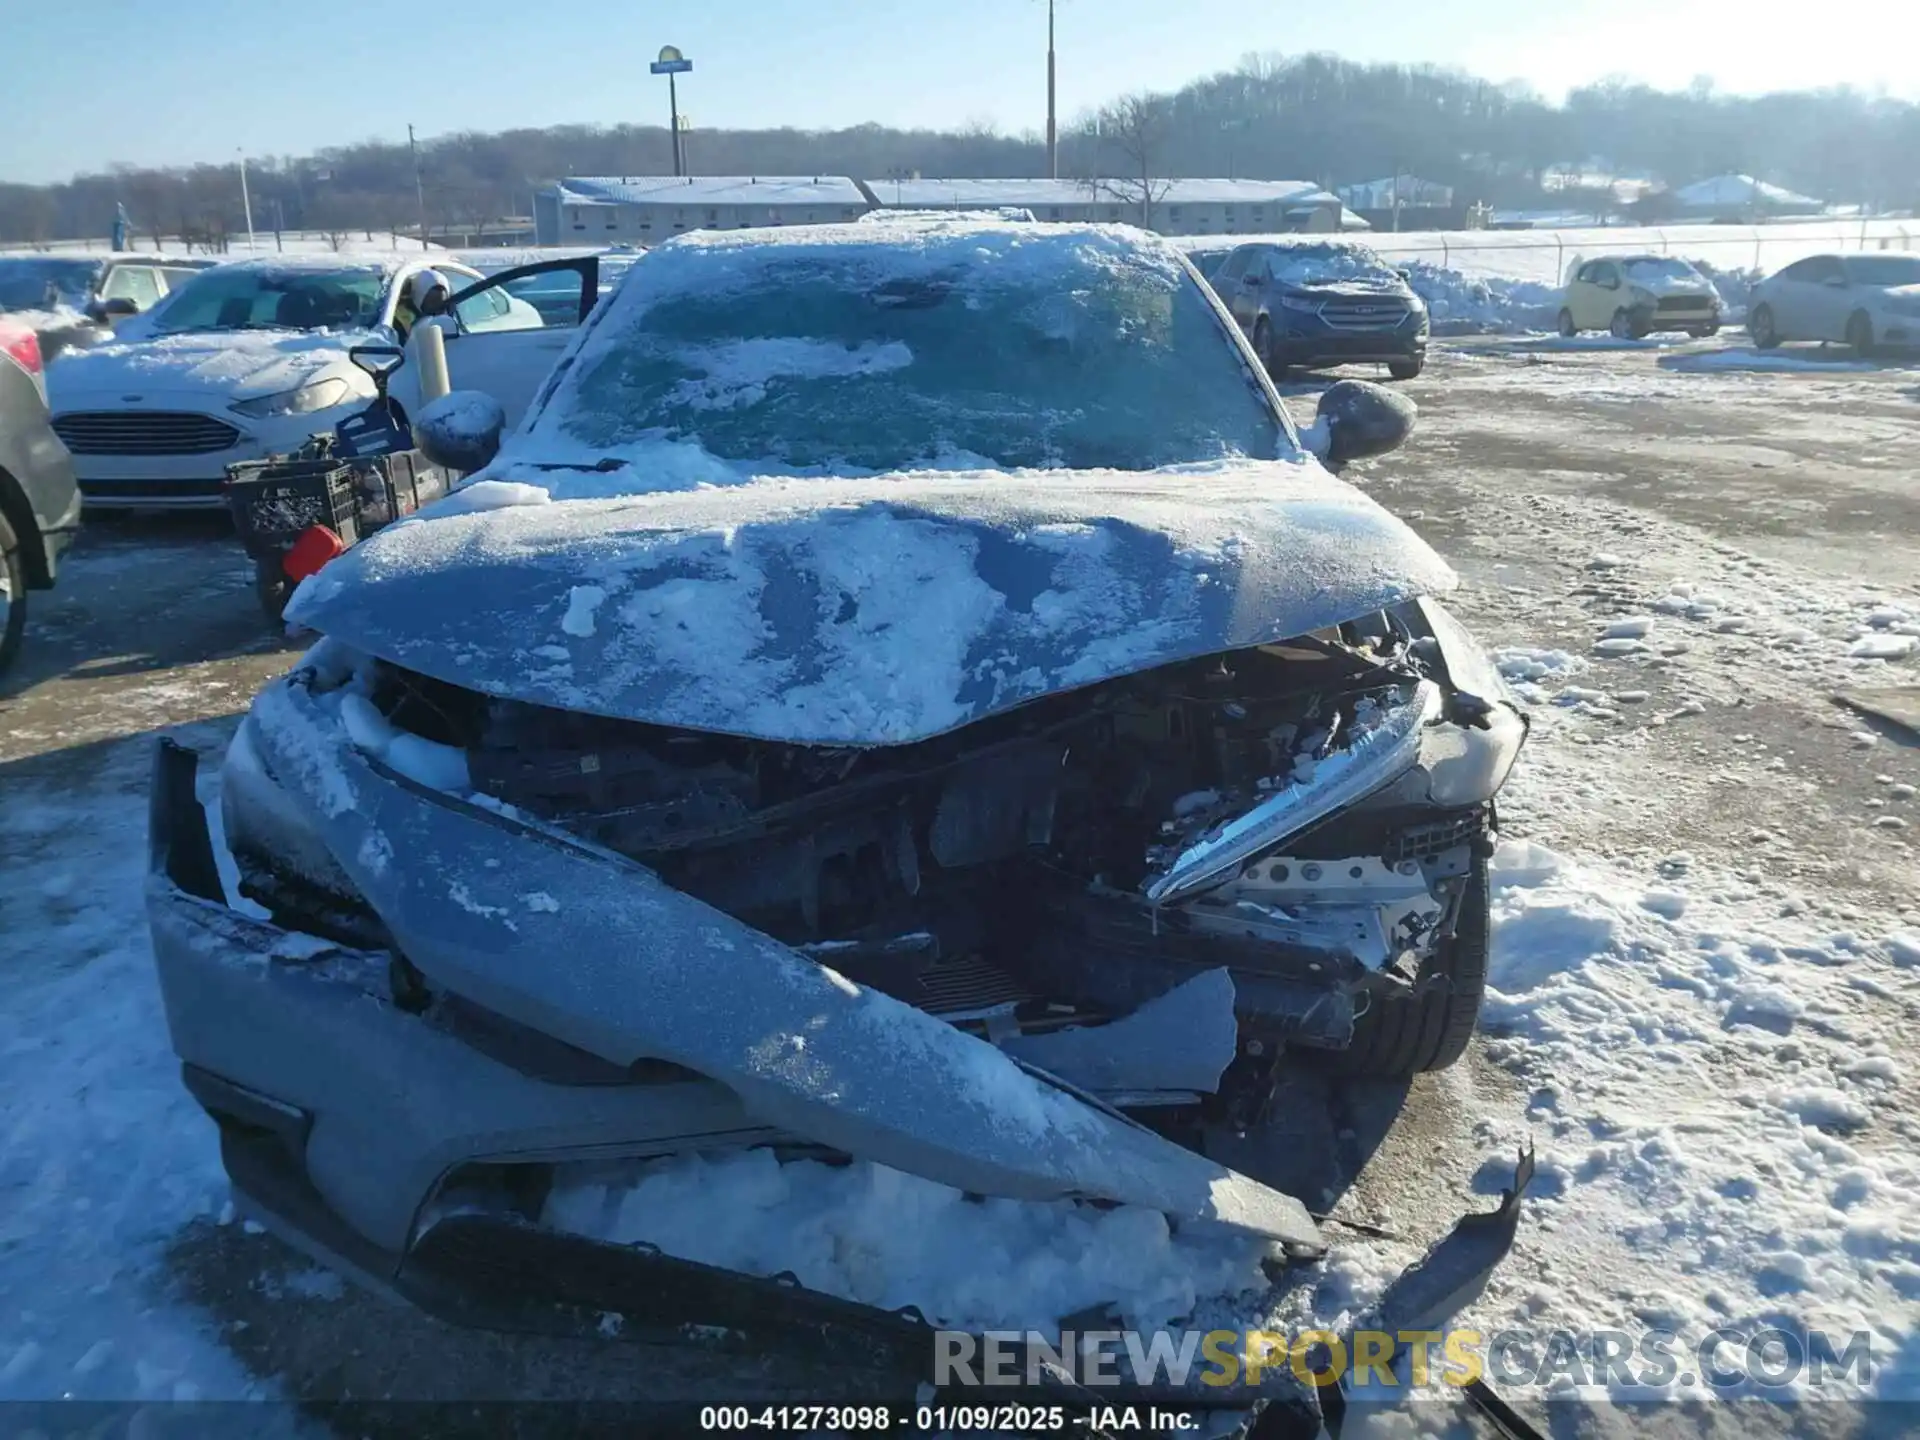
pixel 39 502
pixel 1319 302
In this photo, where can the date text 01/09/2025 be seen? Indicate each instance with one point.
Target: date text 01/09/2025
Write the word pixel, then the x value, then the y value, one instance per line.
pixel 942 1419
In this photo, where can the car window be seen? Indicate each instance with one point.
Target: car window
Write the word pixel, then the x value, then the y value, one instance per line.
pixel 1883 269
pixel 1605 274
pixel 138 283
pixel 482 311
pixel 1104 358
pixel 1236 265
pixel 174 276
pixel 241 297
pixel 29 282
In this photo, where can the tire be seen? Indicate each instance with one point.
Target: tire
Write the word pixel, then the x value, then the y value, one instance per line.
pixel 1860 333
pixel 1761 329
pixel 1428 1028
pixel 1406 369
pixel 272 588
pixel 1624 327
pixel 13 596
pixel 1263 346
pixel 1564 324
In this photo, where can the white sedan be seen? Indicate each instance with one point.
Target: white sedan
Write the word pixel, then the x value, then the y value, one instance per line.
pixel 249 359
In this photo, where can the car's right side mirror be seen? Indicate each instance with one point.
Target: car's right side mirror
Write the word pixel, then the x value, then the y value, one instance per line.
pixel 1359 419
pixel 105 312
pixel 460 430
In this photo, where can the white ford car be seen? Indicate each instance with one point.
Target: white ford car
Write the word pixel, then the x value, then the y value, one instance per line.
pixel 251 358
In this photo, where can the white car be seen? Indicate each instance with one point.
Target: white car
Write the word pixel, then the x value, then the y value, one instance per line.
pixel 249 359
pixel 1632 296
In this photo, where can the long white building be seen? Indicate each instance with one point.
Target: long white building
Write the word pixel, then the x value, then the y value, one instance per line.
pixel 647 209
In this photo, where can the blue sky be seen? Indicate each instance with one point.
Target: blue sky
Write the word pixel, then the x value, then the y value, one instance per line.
pixel 90 82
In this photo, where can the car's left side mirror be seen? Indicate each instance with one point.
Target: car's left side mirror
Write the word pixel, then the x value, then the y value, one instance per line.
pixel 460 430
pixel 1359 420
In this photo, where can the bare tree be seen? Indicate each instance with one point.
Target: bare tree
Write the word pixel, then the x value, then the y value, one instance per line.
pixel 1135 130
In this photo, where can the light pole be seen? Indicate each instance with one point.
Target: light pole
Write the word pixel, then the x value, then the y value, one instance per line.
pixel 419 185
pixel 672 64
pixel 1053 129
pixel 246 204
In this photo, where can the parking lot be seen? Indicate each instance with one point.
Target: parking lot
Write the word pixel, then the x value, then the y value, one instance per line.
pixel 1744 521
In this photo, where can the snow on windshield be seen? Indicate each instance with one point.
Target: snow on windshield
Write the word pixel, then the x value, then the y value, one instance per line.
pixel 1328 265
pixel 882 348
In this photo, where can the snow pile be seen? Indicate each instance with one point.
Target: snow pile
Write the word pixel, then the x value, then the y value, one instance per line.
pixel 103 1155
pixel 1708 1083
pixel 881 1237
pixel 1482 305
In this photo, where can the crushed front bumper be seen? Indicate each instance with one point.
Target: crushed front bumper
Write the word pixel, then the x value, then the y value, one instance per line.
pixel 343 1120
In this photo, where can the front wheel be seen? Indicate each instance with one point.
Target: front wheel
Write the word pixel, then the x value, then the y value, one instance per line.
pixel 13 595
pixel 1427 1027
pixel 1860 333
pixel 1406 369
pixel 1565 324
pixel 272 588
pixel 1263 345
pixel 1624 327
pixel 1761 327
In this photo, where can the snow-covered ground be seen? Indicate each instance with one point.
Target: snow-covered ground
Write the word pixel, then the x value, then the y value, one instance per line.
pixel 1710 1045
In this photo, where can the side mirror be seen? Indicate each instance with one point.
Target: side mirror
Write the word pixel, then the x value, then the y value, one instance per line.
pixel 460 430
pixel 105 312
pixel 1360 419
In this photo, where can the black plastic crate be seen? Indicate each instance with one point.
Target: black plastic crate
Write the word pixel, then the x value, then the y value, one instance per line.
pixel 273 501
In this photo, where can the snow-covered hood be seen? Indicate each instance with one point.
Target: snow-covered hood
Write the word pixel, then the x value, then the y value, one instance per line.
pixel 863 611
pixel 224 366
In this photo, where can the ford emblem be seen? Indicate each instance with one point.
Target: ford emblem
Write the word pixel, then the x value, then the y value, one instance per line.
pixel 131 399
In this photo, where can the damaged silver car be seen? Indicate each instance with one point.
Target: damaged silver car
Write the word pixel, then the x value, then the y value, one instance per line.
pixel 905 695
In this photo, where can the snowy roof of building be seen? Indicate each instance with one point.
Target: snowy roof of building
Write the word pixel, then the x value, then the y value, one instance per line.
pixel 984 194
pixel 709 190
pixel 1739 190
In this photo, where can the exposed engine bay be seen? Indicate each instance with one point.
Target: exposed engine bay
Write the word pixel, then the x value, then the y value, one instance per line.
pixel 1060 864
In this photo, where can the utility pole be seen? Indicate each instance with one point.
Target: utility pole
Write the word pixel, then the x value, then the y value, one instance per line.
pixel 419 186
pixel 246 204
pixel 1053 130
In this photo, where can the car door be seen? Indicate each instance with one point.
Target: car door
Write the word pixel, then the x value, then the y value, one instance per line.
pixel 509 329
pixel 1827 300
pixel 1230 285
pixel 1792 299
pixel 1580 302
pixel 1603 296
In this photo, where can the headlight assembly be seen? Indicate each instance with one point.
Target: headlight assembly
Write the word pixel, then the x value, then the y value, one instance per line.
pixel 320 395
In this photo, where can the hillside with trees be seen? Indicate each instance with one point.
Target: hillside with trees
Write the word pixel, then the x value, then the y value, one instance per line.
pixel 1310 117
